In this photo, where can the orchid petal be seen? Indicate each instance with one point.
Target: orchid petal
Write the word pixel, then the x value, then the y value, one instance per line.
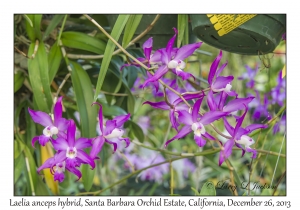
pixel 85 158
pixel 196 108
pixel 221 82
pixel 185 117
pixel 212 116
pixel 182 74
pixel 223 97
pixel 156 57
pixel 211 101
pixel 120 120
pixel 221 68
pixel 186 50
pixel 71 133
pixel 241 147
pixel 110 126
pixel 174 123
pixel 158 105
pixel 213 68
pixel 75 171
pixel 127 141
pixel 59 176
pixel 60 144
pixel 161 71
pixel 199 141
pixel 240 121
pixel 183 132
pixel 59 157
pixel 34 139
pixel 115 145
pixel 188 97
pixel 83 143
pixel 254 152
pixel 147 47
pixel 40 117
pixel 62 124
pixel 57 109
pixel 228 127
pixel 253 127
pixel 170 44
pixel 208 136
pixel 171 96
pixel 97 146
pixel 224 154
pixel 44 139
pixel 47 164
pixel 237 104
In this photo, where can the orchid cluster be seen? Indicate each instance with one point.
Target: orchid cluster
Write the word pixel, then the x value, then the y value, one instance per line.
pixel 70 154
pixel 220 99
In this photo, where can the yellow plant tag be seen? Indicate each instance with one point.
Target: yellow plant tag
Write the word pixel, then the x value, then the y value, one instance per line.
pixel 283 72
pixel 226 23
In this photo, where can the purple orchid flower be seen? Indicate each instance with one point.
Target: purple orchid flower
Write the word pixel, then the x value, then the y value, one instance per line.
pixel 110 132
pixel 260 110
pixel 192 123
pixel 69 154
pixel 249 75
pixel 280 125
pixel 53 126
pixel 217 103
pixel 170 58
pixel 239 137
pixel 175 105
pixel 219 83
pixel 278 93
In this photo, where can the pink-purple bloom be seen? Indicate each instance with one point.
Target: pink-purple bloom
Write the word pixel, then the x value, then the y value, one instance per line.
pixel 249 75
pixel 111 131
pixel 54 125
pixel 195 122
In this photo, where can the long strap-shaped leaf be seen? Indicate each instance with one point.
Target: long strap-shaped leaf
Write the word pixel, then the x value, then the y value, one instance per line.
pixel 115 34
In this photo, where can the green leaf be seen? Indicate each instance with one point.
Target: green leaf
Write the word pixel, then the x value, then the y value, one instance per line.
pixel 137 131
pixel 39 78
pixel 195 191
pixel 88 114
pixel 82 41
pixel 54 59
pixel 182 23
pixel 33 27
pixel 18 148
pixel 28 20
pixel 54 22
pixel 19 167
pixel 112 110
pixel 30 131
pixel 18 80
pixel 130 28
pixel 115 34
pixel 208 189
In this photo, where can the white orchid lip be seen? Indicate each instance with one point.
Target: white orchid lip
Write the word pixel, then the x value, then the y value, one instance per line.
pixel 60 167
pixel 198 128
pixel 116 133
pixel 178 65
pixel 50 130
pixel 71 152
pixel 245 140
pixel 228 88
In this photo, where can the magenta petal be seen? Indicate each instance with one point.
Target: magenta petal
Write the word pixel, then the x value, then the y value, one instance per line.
pixel 40 117
pixel 115 145
pixel 97 146
pixel 158 105
pixel 120 120
pixel 208 136
pixel 189 97
pixel 174 123
pixel 213 68
pixel 83 143
pixel 212 116
pixel 242 148
pixel 185 117
pixel 47 164
pixel 228 127
pixel 254 152
pixel 60 144
pixel 74 171
pixel 183 75
pixel 71 133
pixel 34 139
pixel 211 101
pixel 237 104
pixel 170 44
pixel 44 139
pixel 224 154
pixel 156 57
pixel 171 96
pixel 110 126
pixel 253 127
pixel 183 132
pixel 100 116
pixel 199 141
pixel 221 68
pixel 161 71
pixel 127 141
pixel 59 176
pixel 240 121
pixel 196 108
pixel 85 158
pixel 147 47
pixel 62 124
pixel 186 50
pixel 57 109
pixel 221 82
